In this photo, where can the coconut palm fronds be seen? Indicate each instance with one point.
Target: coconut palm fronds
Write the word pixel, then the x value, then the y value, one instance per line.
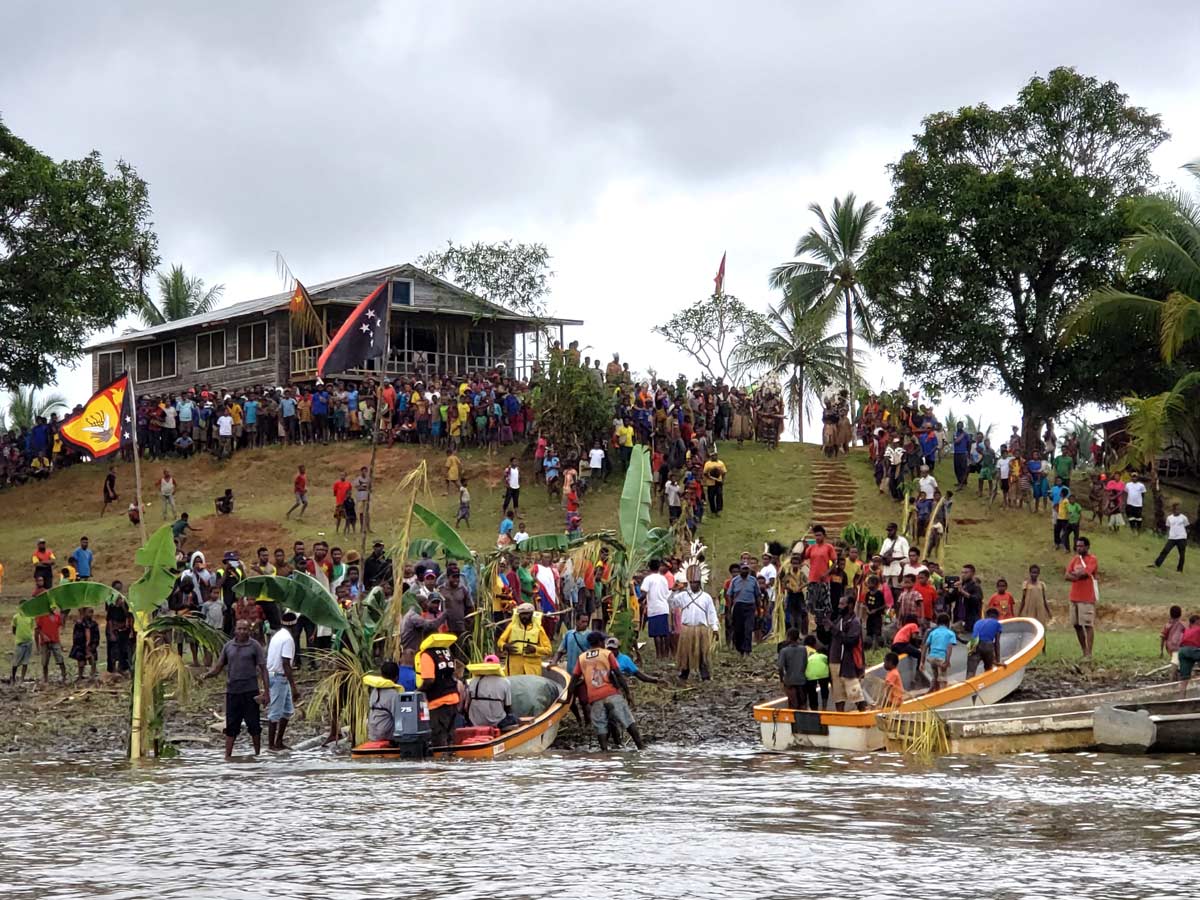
pixel 341 694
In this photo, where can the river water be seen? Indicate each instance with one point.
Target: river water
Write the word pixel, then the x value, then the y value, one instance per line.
pixel 670 822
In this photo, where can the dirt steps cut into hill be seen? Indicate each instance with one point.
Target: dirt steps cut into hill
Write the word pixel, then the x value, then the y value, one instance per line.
pixel 833 494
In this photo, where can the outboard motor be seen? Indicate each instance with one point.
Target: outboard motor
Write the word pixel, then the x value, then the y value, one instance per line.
pixel 413 736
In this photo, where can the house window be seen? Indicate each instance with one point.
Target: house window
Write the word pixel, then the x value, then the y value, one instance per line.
pixel 156 361
pixel 252 342
pixel 210 350
pixel 109 365
pixel 479 343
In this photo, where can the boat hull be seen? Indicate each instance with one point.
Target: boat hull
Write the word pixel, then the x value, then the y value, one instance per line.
pixel 782 729
pixel 1166 727
pixel 1035 726
pixel 528 739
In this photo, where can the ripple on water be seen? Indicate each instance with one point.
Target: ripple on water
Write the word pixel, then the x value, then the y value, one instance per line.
pixel 696 822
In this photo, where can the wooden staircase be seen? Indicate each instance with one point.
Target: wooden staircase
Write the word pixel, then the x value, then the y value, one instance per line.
pixel 833 495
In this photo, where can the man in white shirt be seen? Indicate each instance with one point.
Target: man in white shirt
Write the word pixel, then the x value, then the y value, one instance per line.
pixel 596 462
pixel 894 551
pixel 281 654
pixel 912 565
pixel 512 487
pixel 698 614
pixel 928 484
pixel 1177 537
pixel 520 534
pixel 656 594
pixel 1135 498
pixel 224 433
pixel 894 458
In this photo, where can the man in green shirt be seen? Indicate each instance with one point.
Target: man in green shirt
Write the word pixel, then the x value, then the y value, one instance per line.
pixel 1063 465
pixel 23 652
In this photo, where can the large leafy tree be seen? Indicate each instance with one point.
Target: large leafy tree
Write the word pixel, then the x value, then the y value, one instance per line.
pixel 708 332
pixel 1002 222
pixel 75 244
pixel 831 255
pixel 179 296
pixel 794 343
pixel 512 274
pixel 572 408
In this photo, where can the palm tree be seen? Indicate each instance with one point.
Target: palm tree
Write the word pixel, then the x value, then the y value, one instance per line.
pixel 26 405
pixel 793 341
pixel 834 251
pixel 179 295
pixel 1166 244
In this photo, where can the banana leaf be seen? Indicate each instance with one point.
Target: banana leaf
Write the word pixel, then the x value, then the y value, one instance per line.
pixel 72 595
pixel 151 590
pixel 545 543
pixel 453 544
pixel 659 542
pixel 301 593
pixel 425 548
pixel 159 550
pixel 192 629
pixel 633 513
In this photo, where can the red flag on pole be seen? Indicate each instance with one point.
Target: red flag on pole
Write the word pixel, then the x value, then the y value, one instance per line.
pixel 719 281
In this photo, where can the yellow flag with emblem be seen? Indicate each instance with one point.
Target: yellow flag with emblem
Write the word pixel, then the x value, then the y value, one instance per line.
pixel 105 422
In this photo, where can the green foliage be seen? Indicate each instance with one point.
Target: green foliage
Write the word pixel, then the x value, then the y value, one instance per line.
pixel 1002 221
pixel 75 245
pixel 860 536
pixel 793 342
pixel 571 407
pixel 633 512
pixel 514 275
pixel 708 332
pixel 300 593
pixel 452 543
pixel 70 595
pixel 157 557
pixel 828 270
pixel 545 543
pixel 25 405
pixel 179 296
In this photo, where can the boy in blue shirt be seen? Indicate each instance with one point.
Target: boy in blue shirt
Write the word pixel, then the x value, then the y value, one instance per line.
pixel 939 645
pixel 627 665
pixel 985 643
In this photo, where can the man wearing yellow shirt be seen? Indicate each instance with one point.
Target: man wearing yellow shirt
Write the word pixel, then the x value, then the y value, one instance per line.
pixel 714 482
pixel 235 412
pixel 625 442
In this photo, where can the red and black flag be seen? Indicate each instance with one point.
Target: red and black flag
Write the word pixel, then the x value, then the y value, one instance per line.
pixel 105 424
pixel 363 336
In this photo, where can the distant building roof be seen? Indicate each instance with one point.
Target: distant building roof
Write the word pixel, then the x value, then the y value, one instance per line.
pixel 279 301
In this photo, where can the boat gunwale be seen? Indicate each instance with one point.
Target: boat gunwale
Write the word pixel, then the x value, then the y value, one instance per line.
pixel 775 711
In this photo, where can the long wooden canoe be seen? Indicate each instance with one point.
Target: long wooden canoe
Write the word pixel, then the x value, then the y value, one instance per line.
pixel 784 729
pixel 531 737
pixel 1034 726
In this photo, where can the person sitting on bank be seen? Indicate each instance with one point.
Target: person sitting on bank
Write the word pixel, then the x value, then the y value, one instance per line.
pixel 489 695
pixel 907 639
pixel 525 642
pixel 224 503
pixel 984 645
pixel 383 702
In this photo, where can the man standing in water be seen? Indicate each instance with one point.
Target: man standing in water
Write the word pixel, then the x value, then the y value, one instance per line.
pixel 1081 572
pixel 246 663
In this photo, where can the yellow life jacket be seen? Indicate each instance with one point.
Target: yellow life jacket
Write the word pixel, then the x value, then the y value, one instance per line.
pixel 378 681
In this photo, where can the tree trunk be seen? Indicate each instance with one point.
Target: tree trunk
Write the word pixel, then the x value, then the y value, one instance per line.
pixel 1031 423
pixel 849 346
pixel 800 406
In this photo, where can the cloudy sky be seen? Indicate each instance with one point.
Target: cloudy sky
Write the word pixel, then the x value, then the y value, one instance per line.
pixel 638 141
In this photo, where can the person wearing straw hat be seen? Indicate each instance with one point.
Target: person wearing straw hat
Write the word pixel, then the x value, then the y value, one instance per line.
pixel 525 642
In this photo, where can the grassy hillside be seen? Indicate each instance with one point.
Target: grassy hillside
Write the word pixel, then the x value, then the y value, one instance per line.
pixel 1003 543
pixel 768 495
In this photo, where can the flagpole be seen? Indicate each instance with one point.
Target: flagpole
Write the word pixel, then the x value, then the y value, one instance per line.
pixel 387 352
pixel 136 750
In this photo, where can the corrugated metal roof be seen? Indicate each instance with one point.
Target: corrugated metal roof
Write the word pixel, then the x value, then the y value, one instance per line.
pixel 281 300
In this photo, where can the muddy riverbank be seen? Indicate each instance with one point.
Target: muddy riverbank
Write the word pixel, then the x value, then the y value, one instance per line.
pixel 92 716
